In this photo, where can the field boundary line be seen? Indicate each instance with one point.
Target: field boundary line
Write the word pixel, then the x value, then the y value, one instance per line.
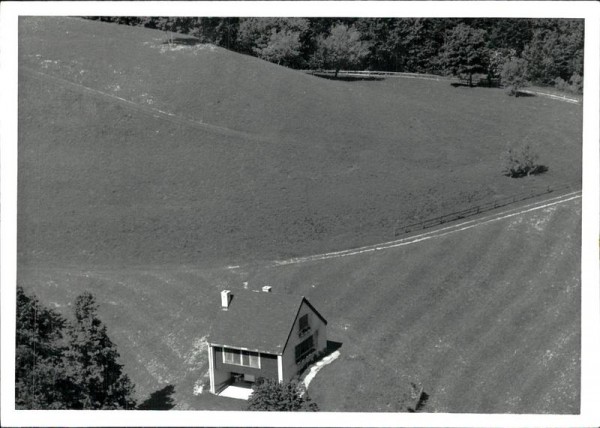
pixel 434 233
pixel 552 96
pixel 373 73
pixel 478 209
pixel 154 112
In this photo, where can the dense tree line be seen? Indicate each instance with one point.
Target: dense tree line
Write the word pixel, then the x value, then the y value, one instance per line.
pixel 551 49
pixel 67 364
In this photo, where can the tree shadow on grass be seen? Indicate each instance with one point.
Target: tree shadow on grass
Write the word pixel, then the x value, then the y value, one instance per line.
pixel 524 94
pixel 461 85
pixel 185 41
pixel 348 78
pixel 159 400
pixel 539 169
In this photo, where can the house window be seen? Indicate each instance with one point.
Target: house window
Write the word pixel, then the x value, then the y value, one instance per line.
pixel 232 356
pixel 303 325
pixel 241 358
pixel 304 348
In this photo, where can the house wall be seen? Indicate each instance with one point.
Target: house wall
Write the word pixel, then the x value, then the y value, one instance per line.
pixel 268 366
pixel 221 377
pixel 290 368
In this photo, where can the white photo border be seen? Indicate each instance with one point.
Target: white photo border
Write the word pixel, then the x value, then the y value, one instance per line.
pixel 590 382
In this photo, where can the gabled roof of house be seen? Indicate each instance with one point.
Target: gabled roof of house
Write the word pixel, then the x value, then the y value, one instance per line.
pixel 257 321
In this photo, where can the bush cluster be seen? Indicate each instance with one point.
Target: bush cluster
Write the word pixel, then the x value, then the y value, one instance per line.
pixel 272 395
pixel 522 160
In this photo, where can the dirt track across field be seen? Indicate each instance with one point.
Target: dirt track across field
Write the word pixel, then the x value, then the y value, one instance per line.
pixel 457 227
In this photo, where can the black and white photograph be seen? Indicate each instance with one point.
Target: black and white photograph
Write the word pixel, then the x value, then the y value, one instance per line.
pixel 321 212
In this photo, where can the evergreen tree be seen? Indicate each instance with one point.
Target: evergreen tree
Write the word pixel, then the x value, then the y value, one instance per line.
pixel 464 52
pixel 60 365
pixel 91 360
pixel 39 372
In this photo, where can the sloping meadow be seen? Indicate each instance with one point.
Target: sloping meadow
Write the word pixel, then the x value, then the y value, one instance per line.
pixel 136 151
pixel 141 163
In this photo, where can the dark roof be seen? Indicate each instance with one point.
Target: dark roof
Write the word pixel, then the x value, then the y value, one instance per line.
pixel 256 320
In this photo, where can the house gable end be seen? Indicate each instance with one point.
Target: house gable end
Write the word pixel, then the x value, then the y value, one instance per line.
pixel 312 308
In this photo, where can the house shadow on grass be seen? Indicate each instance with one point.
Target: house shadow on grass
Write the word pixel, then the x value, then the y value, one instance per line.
pixel 159 400
pixel 332 347
pixel 185 41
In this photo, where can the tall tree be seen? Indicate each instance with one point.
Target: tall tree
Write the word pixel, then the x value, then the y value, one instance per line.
pixel 280 40
pixel 342 48
pixel 464 52
pixel 39 372
pixel 92 362
pixel 282 48
pixel 514 74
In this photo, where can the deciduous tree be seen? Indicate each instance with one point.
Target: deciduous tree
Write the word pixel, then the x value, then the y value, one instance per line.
pixel 513 75
pixel 555 50
pixel 342 48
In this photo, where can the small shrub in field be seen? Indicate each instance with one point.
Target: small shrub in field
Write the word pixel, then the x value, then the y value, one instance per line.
pixel 522 160
pixel 513 75
pixel 271 395
pixel 414 398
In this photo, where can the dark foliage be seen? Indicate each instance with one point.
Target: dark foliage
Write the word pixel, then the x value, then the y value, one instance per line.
pixel 271 395
pixel 522 160
pixel 40 380
pixel 552 47
pixel 341 49
pixel 92 362
pixel 464 52
pixel 62 365
pixel 514 74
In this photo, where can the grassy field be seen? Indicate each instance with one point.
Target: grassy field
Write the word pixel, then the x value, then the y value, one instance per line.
pixel 145 169
pixel 291 164
pixel 486 319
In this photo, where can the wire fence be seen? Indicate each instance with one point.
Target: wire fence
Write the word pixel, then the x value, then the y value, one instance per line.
pixel 478 209
pixel 479 81
pixel 372 73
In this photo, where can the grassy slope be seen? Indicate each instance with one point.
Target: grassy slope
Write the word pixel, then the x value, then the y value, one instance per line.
pixel 331 165
pixel 326 165
pixel 486 319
